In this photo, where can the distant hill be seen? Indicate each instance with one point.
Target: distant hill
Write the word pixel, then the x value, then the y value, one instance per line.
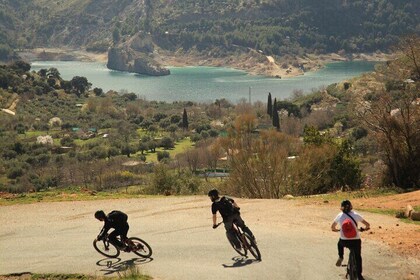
pixel 215 27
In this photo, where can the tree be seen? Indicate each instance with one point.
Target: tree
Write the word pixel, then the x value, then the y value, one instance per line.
pixel 185 120
pixel 275 115
pixel 54 73
pixel 167 143
pixel 269 105
pixel 345 168
pixel 98 91
pixel 393 116
pixel 162 180
pixel 143 146
pixel 162 155
pixel 258 165
pixel 312 136
pixel 21 66
pixel 80 85
pixel 276 120
pixel 116 35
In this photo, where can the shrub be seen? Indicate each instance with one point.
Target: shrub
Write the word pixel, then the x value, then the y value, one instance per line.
pixel 162 155
pixel 14 172
pixel 163 182
pixel 167 143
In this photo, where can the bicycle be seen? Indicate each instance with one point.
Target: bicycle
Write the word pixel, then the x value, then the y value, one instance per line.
pixel 246 241
pixel 134 244
pixel 351 267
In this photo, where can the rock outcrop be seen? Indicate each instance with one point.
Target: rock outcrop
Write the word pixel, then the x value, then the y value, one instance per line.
pixel 143 65
pixel 128 60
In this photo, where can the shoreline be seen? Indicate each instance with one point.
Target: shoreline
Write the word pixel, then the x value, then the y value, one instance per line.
pixel 251 63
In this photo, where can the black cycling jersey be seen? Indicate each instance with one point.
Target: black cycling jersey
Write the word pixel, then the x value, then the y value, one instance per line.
pixel 115 219
pixel 225 207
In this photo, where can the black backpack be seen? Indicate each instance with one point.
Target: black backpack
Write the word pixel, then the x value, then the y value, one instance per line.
pixel 118 216
pixel 226 206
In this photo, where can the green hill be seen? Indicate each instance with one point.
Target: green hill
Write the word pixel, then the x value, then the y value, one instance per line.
pixel 275 27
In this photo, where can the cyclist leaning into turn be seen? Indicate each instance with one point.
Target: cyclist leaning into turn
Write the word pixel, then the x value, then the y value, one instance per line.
pixel 349 238
pixel 229 211
pixel 118 221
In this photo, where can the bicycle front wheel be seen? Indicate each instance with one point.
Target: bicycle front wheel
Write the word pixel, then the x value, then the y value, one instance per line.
pixel 106 248
pixel 252 247
pixel 352 267
pixel 141 248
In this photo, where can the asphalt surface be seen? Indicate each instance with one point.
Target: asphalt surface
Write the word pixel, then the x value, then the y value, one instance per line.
pixel 295 241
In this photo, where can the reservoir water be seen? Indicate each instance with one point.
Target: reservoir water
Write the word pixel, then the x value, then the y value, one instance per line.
pixel 205 84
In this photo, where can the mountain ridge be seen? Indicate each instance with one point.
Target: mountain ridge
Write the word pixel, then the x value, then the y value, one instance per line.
pixel 283 29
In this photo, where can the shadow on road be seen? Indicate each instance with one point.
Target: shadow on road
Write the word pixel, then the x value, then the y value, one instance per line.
pixel 239 262
pixel 116 265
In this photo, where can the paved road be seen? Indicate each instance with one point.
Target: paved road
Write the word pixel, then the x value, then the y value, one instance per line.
pixel 294 240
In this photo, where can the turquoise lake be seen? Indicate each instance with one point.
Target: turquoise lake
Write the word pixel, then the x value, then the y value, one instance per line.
pixel 205 84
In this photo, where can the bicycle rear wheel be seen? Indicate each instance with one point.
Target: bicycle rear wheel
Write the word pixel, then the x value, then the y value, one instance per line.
pixel 352 267
pixel 141 248
pixel 106 248
pixel 252 247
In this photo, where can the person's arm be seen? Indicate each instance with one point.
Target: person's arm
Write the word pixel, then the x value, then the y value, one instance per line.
pixel 334 226
pixel 214 220
pixel 101 234
pixel 104 231
pixel 367 225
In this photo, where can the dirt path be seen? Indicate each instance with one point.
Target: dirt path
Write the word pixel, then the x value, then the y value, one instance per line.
pixel 294 239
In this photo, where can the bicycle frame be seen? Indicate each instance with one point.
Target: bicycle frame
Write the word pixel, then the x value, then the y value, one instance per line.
pixel 246 243
pixel 240 235
pixel 134 244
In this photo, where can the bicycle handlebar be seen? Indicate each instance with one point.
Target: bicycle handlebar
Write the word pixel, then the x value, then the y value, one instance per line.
pixel 218 224
pixel 360 229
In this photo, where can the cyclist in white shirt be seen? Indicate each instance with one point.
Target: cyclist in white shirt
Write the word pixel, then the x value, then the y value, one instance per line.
pixel 349 234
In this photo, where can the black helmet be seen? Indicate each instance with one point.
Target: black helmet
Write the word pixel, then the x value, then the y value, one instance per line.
pixel 100 214
pixel 213 194
pixel 346 206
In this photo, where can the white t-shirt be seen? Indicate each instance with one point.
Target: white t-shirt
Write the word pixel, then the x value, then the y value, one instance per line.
pixel 340 219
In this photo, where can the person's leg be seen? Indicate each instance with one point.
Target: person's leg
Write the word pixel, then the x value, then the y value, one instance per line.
pixel 242 225
pixel 340 248
pixel 230 233
pixel 113 239
pixel 123 232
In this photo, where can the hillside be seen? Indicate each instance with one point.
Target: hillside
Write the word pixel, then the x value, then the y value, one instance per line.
pixel 215 28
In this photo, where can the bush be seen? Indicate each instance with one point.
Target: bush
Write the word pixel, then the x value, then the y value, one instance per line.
pixel 14 172
pixel 162 155
pixel 120 179
pixel 167 143
pixel 163 182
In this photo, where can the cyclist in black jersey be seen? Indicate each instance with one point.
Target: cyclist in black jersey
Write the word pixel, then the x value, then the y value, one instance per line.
pixel 229 211
pixel 116 220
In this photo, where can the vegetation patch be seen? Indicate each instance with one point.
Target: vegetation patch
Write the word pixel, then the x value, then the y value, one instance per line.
pixel 132 273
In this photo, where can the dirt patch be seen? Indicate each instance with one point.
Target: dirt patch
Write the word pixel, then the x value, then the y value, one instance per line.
pixel 62 54
pixel 404 238
pixel 391 202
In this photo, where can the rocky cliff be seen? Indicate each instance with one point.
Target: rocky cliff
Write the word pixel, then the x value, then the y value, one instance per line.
pixel 128 60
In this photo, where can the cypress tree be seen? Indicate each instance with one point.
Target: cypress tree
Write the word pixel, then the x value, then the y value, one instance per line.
pixel 269 105
pixel 276 119
pixel 185 119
